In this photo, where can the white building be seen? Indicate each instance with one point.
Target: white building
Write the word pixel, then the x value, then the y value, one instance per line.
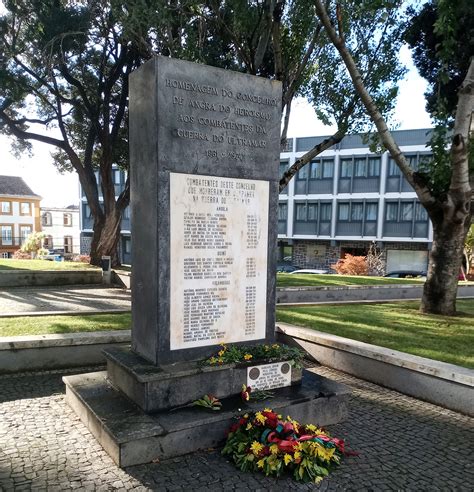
pixel 349 197
pixel 61 229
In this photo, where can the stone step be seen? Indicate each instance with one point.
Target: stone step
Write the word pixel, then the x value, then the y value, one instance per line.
pixel 132 437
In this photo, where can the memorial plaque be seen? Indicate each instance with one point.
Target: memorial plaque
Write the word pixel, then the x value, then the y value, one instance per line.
pixel 204 150
pixel 269 376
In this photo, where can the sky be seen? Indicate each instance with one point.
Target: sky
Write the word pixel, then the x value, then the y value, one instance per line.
pixel 61 190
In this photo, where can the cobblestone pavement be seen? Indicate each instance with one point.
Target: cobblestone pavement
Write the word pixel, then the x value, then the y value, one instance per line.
pixel 404 444
pixel 66 298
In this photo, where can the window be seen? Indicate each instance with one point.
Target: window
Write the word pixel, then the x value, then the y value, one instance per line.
pixel 325 212
pixel 25 231
pixel 117 176
pixel 127 245
pixel 46 219
pixel 302 173
pixel 67 220
pixel 346 168
pixel 412 161
pixel 48 242
pixel 370 211
pixel 328 168
pixel 343 213
pixel 25 208
pixel 7 235
pixel 87 212
pixel 68 244
pixel 126 213
pixel 391 211
pixel 356 212
pixel 406 211
pixel 283 168
pixel 6 208
pixel 360 167
pixel 420 213
pixel 374 167
pixel 282 211
pixel 312 212
pixel 316 170
pixel 300 211
pixel 393 169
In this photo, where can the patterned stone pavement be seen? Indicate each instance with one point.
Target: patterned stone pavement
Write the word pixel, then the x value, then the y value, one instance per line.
pixel 404 444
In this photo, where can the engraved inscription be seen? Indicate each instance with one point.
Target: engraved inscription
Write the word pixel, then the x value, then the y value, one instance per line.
pixel 218 234
pixel 221 117
pixel 269 376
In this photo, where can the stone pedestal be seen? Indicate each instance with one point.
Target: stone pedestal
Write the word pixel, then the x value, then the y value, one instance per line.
pixel 154 388
pixel 131 436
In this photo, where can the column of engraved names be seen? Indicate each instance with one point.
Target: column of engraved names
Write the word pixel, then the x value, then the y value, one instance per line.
pixel 251 267
pixel 204 306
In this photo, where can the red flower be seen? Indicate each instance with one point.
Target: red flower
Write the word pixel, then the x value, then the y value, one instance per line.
pixel 245 393
pixel 272 419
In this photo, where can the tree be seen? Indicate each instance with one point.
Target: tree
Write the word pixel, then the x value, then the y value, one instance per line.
pixel 32 244
pixel 65 66
pixel 449 208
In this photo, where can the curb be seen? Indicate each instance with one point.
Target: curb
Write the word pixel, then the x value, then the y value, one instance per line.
pixel 443 384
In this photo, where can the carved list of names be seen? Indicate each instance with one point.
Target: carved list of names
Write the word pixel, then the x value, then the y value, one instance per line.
pixel 218 282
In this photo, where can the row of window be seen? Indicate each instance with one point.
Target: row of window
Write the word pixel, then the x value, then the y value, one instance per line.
pixel 87 214
pixel 367 166
pixel 47 219
pixel 6 236
pixel 6 208
pixel 66 243
pixel 355 211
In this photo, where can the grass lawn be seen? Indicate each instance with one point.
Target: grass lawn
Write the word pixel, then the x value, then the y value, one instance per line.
pixel 42 325
pixel 9 264
pixel 309 280
pixel 397 326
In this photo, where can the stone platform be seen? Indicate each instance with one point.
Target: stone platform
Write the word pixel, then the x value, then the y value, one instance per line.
pixel 132 437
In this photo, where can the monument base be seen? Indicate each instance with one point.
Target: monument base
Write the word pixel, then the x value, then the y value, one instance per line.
pixel 156 388
pixel 132 437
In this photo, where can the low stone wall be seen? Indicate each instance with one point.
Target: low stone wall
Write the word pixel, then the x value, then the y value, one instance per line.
pixel 443 384
pixel 294 295
pixel 33 278
pixel 122 278
pixel 42 352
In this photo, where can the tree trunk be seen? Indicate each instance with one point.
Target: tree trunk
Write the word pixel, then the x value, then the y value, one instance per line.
pixel 105 240
pixel 441 286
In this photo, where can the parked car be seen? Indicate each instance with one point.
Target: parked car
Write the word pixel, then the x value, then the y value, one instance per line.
pixel 310 271
pixel 406 274
pixel 286 268
pixel 56 254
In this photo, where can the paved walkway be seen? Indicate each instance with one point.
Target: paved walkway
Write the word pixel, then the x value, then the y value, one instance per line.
pixel 404 444
pixel 67 298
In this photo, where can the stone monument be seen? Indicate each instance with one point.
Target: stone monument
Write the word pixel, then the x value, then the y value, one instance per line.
pixel 204 155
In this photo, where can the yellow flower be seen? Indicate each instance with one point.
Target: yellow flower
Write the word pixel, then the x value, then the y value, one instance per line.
pixel 256 447
pixel 223 345
pixel 267 409
pixel 267 348
pixel 279 416
pixel 275 346
pixel 297 455
pixel 249 426
pixel 246 416
pixel 312 428
pixel 260 417
pixel 248 356
pixel 287 458
pixel 221 353
pixel 274 449
pixel 261 462
pixel 300 446
pixel 220 360
pixel 212 360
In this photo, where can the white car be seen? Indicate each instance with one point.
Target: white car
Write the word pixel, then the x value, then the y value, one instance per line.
pixel 309 271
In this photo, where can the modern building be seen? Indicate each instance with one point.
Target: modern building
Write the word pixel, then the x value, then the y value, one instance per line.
pixel 349 197
pixel 19 214
pixel 61 229
pixel 87 222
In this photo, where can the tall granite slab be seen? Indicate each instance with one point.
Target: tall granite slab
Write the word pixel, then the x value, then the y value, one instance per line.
pixel 204 151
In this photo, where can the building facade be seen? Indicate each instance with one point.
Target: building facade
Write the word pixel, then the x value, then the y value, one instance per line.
pixel 19 214
pixel 86 221
pixel 349 198
pixel 61 229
